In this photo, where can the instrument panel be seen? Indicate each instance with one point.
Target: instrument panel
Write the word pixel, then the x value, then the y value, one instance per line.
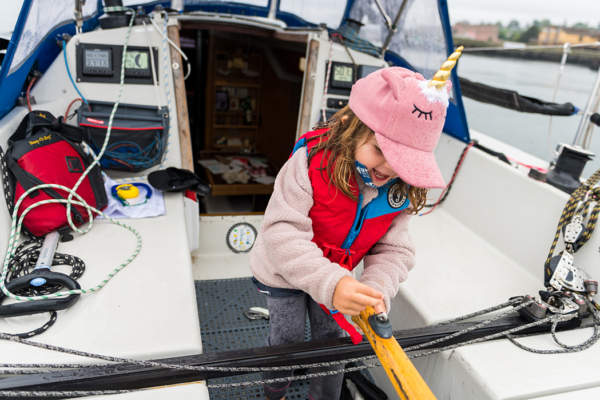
pixel 102 64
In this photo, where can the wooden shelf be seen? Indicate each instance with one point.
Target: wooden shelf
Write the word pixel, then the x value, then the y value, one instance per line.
pixel 227 146
pixel 230 123
pixel 250 85
pixel 236 126
pixel 221 188
pixel 235 112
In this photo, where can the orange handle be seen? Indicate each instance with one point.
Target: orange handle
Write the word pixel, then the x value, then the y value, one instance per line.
pixel 402 373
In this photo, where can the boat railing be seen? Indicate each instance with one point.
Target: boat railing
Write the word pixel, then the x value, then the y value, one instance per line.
pixel 583 136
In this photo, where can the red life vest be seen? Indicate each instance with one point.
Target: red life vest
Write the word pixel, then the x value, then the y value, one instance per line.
pixel 342 229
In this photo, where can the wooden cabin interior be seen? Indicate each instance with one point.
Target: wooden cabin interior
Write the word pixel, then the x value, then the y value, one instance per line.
pixel 244 93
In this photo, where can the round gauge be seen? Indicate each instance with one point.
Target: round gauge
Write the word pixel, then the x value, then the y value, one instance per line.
pixel 241 237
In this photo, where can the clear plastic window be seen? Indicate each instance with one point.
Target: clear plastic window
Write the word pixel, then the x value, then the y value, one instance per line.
pixel 420 38
pixel 43 17
pixel 330 12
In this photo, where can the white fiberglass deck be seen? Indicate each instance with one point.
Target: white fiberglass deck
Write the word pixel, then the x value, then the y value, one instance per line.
pixel 487 243
pixel 148 310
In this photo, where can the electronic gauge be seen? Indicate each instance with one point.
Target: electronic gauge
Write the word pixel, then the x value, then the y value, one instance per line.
pixel 137 63
pixel 342 75
pixel 97 62
pixel 241 237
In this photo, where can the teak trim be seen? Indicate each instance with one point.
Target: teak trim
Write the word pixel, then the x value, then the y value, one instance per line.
pixel 185 139
pixel 309 86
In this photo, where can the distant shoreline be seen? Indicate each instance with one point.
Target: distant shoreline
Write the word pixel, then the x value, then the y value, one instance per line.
pixel 586 57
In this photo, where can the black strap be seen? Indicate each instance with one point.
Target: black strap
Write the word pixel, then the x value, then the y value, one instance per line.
pixel 71 132
pixel 21 176
pixel 36 120
pixel 491 152
pixel 367 389
pixel 55 195
pixel 6 182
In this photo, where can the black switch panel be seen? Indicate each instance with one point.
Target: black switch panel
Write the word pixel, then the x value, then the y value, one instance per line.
pixel 337 103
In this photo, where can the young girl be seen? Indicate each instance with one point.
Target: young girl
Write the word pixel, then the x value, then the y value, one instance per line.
pixel 345 196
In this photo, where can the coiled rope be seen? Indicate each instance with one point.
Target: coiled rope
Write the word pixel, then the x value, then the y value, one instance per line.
pixel 553 319
pixel 567 214
pixel 16 226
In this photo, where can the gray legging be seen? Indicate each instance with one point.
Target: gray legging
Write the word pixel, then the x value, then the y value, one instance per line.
pixel 286 326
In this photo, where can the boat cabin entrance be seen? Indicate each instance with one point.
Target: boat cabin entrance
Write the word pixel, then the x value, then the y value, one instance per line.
pixel 244 93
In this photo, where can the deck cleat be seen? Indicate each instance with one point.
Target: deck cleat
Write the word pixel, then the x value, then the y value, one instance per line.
pixel 550 303
pixel 257 313
pixel 537 309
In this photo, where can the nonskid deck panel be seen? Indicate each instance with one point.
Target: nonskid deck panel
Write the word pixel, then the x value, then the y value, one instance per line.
pixel 221 306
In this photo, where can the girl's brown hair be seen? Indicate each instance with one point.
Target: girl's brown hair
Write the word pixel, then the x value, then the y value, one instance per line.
pixel 342 141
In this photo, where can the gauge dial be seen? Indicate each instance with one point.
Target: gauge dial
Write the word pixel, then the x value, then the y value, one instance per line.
pixel 241 237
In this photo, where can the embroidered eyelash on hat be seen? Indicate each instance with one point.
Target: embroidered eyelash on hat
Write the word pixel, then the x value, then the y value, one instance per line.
pixel 421 112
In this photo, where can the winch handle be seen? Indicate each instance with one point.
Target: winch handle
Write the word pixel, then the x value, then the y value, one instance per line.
pixel 47 251
pixel 39 306
pixel 40 276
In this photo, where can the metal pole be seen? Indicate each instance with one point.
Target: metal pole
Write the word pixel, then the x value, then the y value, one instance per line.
pixel 78 15
pixel 587 139
pixel 394 28
pixel 273 9
pixel 388 20
pixel 566 51
pixel 585 119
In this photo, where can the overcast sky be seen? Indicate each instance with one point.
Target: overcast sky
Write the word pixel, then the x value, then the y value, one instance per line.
pixel 475 11
pixel 525 11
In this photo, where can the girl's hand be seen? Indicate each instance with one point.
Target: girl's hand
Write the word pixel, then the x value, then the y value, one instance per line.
pixel 351 297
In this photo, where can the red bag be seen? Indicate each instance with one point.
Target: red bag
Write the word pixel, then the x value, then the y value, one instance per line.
pixel 44 150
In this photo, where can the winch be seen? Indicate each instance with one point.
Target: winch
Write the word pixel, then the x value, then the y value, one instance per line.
pixel 569 289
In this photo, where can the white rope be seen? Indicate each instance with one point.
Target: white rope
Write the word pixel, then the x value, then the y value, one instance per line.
pixel 169 107
pixel 151 50
pixel 189 71
pixel 16 227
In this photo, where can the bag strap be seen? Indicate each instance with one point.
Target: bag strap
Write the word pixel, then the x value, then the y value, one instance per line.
pixel 6 183
pixel 70 132
pixel 36 120
pixel 30 124
pixel 21 175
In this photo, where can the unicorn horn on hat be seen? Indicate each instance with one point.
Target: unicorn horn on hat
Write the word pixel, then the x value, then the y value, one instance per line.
pixel 440 77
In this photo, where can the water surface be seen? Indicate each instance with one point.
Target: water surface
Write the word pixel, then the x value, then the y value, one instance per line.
pixel 529 132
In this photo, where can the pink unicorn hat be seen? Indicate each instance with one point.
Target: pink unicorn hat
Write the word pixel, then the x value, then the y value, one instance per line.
pixel 407 114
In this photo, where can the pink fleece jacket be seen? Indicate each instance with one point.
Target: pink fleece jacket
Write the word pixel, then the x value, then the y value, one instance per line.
pixel 285 257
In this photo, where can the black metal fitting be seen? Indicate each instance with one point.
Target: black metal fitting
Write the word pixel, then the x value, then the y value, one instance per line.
pixel 381 325
pixel 569 166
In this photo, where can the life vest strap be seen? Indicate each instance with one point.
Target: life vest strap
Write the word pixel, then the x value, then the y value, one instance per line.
pixel 344 324
pixel 344 262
